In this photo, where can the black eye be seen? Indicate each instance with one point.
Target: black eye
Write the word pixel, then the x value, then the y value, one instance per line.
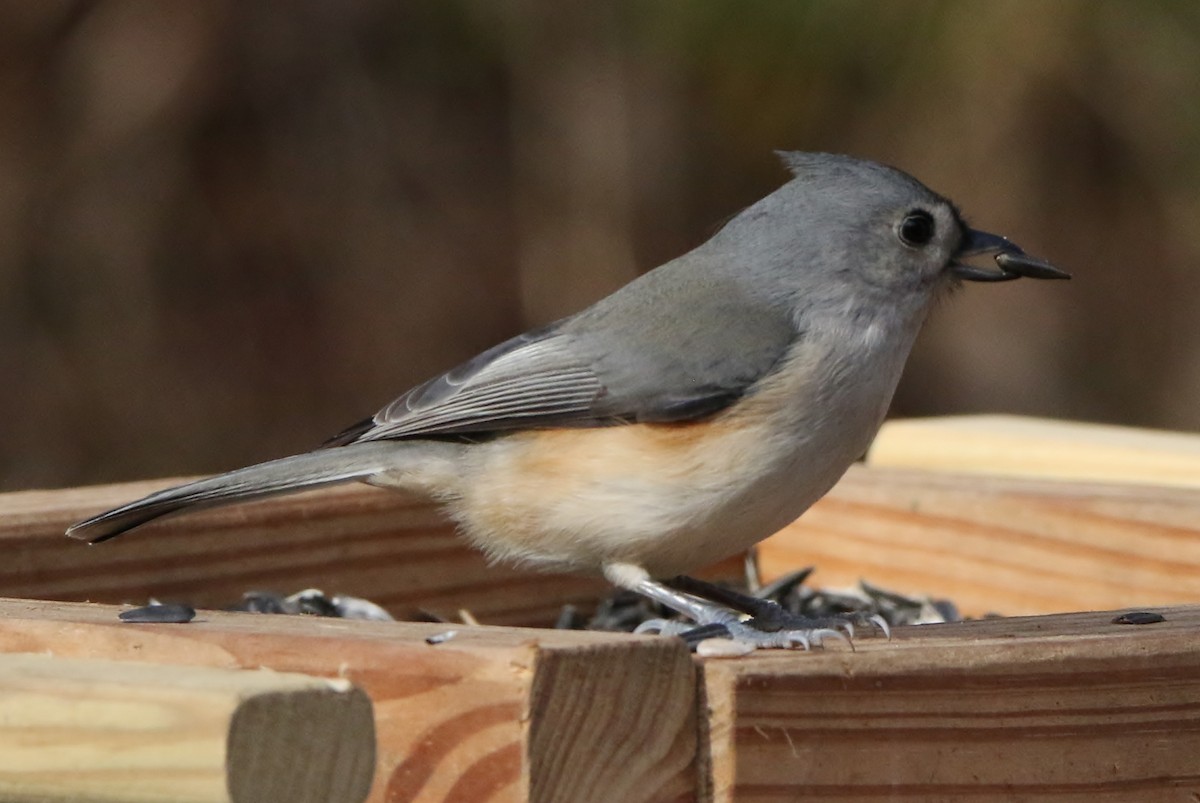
pixel 917 228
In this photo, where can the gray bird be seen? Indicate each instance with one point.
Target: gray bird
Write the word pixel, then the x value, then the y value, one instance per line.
pixel 685 417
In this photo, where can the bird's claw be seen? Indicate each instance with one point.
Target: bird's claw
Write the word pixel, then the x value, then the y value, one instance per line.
pixel 793 638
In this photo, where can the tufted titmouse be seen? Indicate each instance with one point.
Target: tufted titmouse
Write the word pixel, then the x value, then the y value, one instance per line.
pixel 685 417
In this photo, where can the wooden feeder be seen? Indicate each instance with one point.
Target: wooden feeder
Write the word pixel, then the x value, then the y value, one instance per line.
pixel 1064 706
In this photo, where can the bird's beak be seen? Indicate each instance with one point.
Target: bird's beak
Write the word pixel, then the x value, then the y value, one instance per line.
pixel 1012 261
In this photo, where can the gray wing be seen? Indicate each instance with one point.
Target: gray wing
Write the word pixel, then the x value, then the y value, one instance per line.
pixel 624 360
pixel 534 379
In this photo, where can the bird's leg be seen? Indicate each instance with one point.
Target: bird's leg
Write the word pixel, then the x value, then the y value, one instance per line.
pixel 711 617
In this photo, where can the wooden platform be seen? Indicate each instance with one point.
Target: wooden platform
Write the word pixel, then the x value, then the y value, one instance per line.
pixel 1058 707
pixel 1069 707
pixel 492 713
pixel 1063 707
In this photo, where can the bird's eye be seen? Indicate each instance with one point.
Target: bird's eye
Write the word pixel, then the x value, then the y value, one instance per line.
pixel 916 229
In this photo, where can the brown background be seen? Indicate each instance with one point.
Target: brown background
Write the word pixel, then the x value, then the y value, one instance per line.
pixel 228 229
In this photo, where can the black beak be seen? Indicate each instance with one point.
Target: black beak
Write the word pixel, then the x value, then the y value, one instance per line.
pixel 1013 262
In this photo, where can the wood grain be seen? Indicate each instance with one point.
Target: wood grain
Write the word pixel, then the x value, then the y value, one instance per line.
pixel 1060 708
pixel 1004 445
pixel 392 549
pixel 1012 546
pixel 87 730
pixel 492 714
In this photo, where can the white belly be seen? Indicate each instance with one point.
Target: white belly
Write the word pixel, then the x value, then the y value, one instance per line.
pixel 674 497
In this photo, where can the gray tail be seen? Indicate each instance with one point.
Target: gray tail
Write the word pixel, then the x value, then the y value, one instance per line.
pixel 298 473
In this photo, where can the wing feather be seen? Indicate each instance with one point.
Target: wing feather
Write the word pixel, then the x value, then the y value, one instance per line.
pixel 533 378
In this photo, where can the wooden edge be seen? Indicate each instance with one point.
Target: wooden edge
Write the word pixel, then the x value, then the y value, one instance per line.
pixel 1068 707
pixel 1036 447
pixel 486 711
pixel 543 715
pixel 384 546
pixel 992 544
pixel 609 725
pixel 77 729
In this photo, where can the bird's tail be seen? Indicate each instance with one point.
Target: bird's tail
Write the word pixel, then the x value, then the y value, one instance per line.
pixel 288 474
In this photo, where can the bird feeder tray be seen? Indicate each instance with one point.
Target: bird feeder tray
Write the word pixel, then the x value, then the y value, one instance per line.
pixel 1062 706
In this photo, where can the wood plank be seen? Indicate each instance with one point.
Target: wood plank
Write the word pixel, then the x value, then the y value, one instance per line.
pixel 1059 708
pixel 1010 546
pixel 494 713
pixel 86 730
pixel 1004 445
pixel 990 544
pixel 395 550
pixel 387 547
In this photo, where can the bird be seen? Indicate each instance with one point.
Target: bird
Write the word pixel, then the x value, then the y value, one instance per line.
pixel 680 420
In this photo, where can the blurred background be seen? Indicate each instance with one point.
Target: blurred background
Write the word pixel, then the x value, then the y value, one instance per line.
pixel 229 229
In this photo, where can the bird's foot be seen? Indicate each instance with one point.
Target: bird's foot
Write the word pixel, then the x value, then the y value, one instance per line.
pixel 745 633
pixel 783 631
pixel 751 621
